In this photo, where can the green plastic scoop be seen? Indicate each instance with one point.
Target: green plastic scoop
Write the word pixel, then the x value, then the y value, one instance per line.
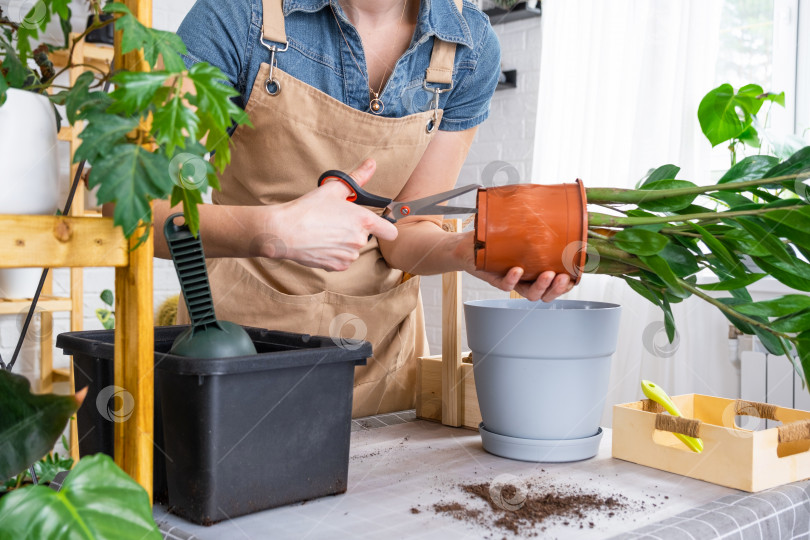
pixel 207 337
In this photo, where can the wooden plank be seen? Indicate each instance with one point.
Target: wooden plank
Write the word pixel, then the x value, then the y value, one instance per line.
pixel 429 392
pixel 65 133
pixel 59 241
pixel 46 342
pixel 514 295
pixel 134 362
pixel 451 339
pixel 47 304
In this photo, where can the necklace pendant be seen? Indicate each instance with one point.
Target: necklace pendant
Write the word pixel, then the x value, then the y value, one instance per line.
pixel 376 105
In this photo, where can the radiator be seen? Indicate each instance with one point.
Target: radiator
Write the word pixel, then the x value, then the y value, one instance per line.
pixel 769 378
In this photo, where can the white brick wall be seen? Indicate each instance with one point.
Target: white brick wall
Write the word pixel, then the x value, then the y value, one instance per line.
pixel 508 136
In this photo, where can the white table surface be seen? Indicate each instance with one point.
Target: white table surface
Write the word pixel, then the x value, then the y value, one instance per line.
pixel 417 464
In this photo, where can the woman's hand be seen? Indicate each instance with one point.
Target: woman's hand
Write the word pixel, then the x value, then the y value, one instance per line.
pixel 546 287
pixel 322 229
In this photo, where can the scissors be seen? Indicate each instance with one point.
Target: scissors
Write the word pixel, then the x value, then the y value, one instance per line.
pixel 427 206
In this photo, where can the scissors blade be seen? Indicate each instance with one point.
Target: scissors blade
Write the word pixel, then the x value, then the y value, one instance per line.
pixel 429 205
pixel 436 210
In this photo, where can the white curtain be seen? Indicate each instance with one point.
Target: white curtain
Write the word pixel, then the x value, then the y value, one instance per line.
pixel 620 84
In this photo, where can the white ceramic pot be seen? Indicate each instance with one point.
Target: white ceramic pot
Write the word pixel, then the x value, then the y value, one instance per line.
pixel 541 374
pixel 29 183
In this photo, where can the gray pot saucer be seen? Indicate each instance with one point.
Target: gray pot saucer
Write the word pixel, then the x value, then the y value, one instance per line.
pixel 540 450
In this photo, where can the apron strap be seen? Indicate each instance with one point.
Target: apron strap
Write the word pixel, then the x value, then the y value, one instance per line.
pixel 273 21
pixel 442 59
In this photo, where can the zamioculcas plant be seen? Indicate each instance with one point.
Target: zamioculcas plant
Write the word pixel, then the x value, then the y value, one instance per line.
pixel 753 222
pixel 141 139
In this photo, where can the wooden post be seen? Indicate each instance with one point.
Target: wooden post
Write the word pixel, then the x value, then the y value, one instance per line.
pixel 134 324
pixel 46 342
pixel 134 363
pixel 451 340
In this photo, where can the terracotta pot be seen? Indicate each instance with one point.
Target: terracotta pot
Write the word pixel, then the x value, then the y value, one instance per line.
pixel 533 226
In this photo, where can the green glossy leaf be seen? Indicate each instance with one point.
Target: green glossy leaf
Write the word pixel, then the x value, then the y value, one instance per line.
pixel 741 325
pixel 663 271
pixel 664 172
pixel 731 284
pixel 793 166
pixel 131 176
pixel 798 219
pixel 640 241
pixel 680 259
pixel 743 242
pixel 750 136
pixel 29 424
pixel 729 198
pixel 778 307
pixel 107 297
pixel 766 239
pixel 773 344
pixel 135 90
pixel 731 263
pixel 80 101
pixel 641 288
pixel 796 275
pixel 795 322
pixel 3 89
pixel 97 500
pixel 749 168
pixel 670 204
pixel 724 115
pixel 669 320
pixel 190 199
pixel 803 351
pixel 211 95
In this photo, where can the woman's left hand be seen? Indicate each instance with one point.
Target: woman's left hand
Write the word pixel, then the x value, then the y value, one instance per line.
pixel 546 287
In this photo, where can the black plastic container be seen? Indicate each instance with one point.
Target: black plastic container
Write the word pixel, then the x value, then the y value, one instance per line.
pixel 242 434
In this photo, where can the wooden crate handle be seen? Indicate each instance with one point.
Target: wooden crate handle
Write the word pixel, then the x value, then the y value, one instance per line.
pixel 756 409
pixel 795 431
pixel 678 424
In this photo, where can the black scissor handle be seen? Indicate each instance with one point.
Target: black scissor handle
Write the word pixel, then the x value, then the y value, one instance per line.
pixel 358 195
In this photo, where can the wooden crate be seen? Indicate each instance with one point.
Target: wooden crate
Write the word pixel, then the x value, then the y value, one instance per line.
pixel 734 457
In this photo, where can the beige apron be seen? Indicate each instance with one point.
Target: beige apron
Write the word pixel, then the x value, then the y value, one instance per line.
pixel 299 133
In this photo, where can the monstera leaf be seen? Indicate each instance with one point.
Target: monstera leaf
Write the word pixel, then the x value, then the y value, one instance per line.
pixel 97 500
pixel 29 424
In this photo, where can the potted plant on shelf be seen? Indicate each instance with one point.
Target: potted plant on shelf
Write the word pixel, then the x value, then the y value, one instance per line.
pixel 753 222
pixel 142 139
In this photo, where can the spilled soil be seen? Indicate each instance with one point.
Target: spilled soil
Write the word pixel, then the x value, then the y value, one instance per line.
pixel 528 510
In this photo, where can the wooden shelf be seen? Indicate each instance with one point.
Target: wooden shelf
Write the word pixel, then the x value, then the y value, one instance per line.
pixel 517 13
pixel 61 242
pixel 61 375
pixel 93 54
pixel 48 304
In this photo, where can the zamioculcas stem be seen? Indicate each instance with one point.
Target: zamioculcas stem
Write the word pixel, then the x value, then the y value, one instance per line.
pixel 596 219
pixel 635 196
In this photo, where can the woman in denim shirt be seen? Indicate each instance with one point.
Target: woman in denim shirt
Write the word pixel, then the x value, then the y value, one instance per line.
pixel 390 89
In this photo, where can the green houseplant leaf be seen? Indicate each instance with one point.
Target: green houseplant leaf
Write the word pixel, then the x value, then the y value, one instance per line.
pixel 29 424
pixel 725 115
pixel 97 500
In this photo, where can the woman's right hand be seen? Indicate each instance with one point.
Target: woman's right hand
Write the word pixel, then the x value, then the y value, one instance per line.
pixel 322 229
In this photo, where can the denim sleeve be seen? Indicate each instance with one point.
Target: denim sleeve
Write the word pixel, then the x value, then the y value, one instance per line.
pixel 468 105
pixel 217 32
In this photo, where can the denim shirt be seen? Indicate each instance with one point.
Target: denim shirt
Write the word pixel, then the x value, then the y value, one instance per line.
pixel 227 33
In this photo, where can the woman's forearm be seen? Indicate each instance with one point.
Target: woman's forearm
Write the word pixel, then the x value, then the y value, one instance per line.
pixel 423 248
pixel 227 231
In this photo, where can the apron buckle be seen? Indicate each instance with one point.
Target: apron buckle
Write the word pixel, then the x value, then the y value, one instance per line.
pixel 433 123
pixel 272 85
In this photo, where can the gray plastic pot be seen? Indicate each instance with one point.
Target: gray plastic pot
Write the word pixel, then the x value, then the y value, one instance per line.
pixel 542 369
